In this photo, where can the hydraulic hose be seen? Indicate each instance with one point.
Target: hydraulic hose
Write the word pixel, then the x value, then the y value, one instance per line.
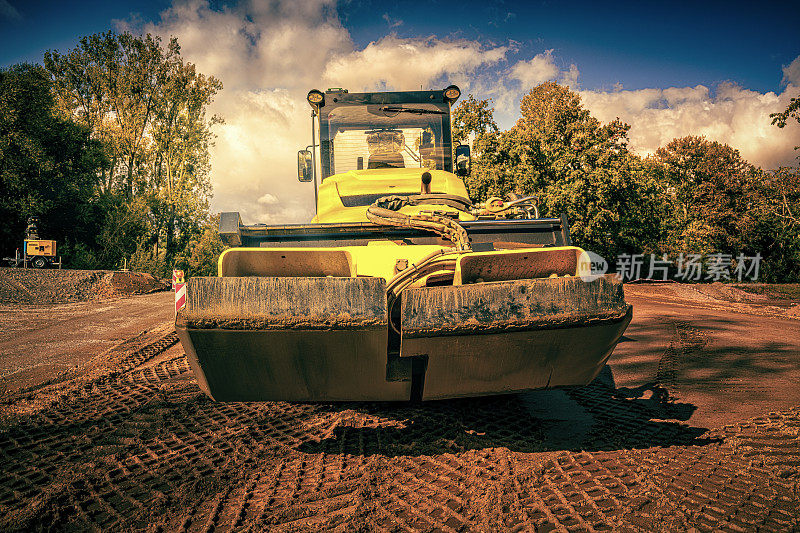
pixel 385 211
pixel 439 261
pixel 526 203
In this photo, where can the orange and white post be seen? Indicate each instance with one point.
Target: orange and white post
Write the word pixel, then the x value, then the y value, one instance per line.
pixel 179 286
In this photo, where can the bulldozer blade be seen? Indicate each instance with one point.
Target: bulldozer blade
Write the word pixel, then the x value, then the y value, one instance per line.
pixel 291 339
pixel 509 336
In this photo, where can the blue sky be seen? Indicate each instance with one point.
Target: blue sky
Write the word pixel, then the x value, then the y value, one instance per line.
pixel 637 44
pixel 668 69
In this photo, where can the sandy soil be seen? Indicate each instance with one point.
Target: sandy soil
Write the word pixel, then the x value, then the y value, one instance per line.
pixel 40 342
pixel 730 359
pixel 49 286
pixel 693 424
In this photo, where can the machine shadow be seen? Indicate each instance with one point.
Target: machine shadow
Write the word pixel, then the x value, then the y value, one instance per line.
pixel 596 417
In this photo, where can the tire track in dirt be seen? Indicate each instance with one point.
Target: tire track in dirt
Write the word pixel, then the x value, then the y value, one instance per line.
pixel 142 447
pixel 686 341
pixel 66 429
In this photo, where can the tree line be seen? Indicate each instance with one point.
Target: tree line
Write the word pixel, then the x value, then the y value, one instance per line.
pixel 692 196
pixel 108 144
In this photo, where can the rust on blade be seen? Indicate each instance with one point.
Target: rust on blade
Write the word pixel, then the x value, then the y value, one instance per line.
pixel 271 303
pixel 506 306
pixel 341 322
pixel 473 327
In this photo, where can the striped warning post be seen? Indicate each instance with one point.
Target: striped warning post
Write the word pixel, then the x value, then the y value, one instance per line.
pixel 180 296
pixel 179 286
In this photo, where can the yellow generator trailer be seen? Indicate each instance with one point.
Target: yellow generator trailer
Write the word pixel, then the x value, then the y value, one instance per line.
pixel 35 251
pixel 400 288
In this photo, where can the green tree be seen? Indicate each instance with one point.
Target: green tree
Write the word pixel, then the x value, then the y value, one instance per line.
pixel 714 195
pixel 123 233
pixel 112 82
pixel 776 236
pixel 182 137
pixel 792 111
pixel 474 118
pixel 200 257
pixel 498 164
pixel 692 196
pixel 148 108
pixel 48 165
pixel 575 165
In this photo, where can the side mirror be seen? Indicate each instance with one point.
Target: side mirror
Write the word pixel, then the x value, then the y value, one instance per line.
pixel 463 160
pixel 305 168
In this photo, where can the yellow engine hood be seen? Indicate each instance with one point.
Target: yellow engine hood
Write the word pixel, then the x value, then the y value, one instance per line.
pixel 358 187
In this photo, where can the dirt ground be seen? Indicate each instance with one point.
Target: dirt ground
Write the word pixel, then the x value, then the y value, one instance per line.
pixel 693 425
pixel 38 342
pixel 30 286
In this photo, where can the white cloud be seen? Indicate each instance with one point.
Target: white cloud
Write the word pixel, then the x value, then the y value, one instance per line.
pixel 729 114
pixel 407 64
pixel 268 199
pixel 791 73
pixel 538 70
pixel 268 55
pixel 570 77
pixel 508 86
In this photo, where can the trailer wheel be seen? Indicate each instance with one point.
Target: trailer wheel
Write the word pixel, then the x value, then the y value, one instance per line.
pixel 39 262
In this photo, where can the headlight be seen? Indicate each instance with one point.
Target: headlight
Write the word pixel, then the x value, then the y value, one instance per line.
pixel 315 98
pixel 452 93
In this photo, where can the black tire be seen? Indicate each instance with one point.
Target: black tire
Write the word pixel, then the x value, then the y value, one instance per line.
pixel 39 262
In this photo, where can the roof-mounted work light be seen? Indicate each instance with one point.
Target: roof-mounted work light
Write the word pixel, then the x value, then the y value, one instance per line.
pixel 315 98
pixel 452 93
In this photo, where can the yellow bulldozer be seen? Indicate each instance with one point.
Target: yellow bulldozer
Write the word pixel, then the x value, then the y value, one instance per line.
pixel 400 288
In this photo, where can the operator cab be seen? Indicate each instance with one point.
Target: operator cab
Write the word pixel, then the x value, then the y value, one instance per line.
pixel 372 136
pixel 382 130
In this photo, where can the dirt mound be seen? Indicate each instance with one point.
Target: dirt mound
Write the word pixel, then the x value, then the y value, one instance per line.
pixel 761 298
pixel 124 283
pixel 730 293
pixel 776 291
pixel 30 286
pixel 672 291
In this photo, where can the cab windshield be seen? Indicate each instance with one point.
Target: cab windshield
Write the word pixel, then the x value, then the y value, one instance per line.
pixel 378 136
